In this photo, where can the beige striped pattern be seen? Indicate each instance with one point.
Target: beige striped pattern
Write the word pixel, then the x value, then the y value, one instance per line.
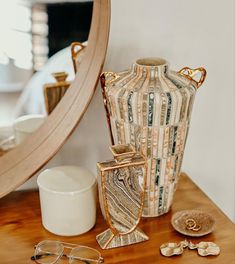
pixel 150 108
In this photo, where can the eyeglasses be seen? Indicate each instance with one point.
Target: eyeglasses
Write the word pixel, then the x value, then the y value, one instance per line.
pixel 50 252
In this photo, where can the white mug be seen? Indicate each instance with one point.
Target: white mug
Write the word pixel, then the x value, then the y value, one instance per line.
pixel 25 125
pixel 68 200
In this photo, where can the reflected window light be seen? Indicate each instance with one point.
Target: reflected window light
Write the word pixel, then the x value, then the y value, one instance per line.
pixel 15 31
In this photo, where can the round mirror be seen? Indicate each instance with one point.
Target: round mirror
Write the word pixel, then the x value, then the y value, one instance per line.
pixel 35 150
pixel 36 73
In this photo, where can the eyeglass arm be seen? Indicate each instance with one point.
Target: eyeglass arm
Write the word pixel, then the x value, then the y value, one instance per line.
pixel 87 261
pixel 36 257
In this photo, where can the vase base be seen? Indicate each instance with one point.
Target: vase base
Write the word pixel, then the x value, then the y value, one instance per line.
pixel 155 215
pixel 108 240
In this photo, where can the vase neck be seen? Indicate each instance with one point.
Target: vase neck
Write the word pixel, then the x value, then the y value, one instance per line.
pixel 151 66
pixel 60 76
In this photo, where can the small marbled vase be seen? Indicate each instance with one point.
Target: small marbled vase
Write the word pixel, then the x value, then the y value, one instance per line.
pixel 121 184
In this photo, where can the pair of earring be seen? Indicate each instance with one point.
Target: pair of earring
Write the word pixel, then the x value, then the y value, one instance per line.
pixel 203 248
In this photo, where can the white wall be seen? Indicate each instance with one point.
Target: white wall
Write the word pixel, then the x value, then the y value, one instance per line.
pixel 189 33
pixel 184 32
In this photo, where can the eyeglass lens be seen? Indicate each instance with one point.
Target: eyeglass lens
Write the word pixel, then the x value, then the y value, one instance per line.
pixel 48 252
pixel 83 255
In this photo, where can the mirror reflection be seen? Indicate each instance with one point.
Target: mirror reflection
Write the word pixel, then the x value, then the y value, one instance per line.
pixel 43 43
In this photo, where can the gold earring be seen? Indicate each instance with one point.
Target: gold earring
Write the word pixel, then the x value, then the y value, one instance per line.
pixel 205 248
pixel 170 249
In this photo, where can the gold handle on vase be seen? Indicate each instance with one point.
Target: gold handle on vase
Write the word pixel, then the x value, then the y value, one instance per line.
pixel 190 73
pixel 107 78
pixel 74 53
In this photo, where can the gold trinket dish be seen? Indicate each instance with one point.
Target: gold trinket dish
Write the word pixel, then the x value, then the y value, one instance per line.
pixel 193 223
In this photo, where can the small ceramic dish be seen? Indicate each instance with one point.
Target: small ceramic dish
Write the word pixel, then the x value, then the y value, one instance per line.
pixel 193 223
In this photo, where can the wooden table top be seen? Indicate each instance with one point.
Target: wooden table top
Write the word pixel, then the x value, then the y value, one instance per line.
pixel 21 229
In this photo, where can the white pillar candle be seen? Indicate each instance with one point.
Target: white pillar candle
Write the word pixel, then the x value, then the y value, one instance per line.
pixel 68 200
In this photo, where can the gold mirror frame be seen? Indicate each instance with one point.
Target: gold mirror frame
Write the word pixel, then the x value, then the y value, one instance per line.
pixel 24 161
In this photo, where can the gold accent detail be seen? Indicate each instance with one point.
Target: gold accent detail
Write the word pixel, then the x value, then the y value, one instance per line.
pixel 105 80
pixel 60 76
pixel 108 240
pixel 122 153
pixel 75 52
pixel 190 73
pixel 113 236
pixel 106 207
pixel 53 92
pixel 110 77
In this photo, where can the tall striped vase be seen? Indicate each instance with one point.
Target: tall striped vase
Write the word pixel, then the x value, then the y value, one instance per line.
pixel 149 107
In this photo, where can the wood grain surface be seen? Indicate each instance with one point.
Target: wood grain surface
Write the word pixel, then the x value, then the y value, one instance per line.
pixel 21 229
